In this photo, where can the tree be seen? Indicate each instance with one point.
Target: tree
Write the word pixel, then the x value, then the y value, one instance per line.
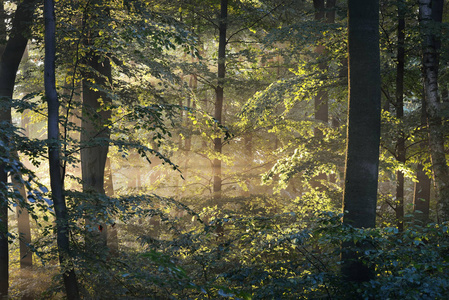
pixel 222 41
pixel 23 223
pixel 96 112
pixel 400 152
pixel 9 64
pixel 422 188
pixel 363 137
pixel 430 12
pixel 56 180
pixel 322 9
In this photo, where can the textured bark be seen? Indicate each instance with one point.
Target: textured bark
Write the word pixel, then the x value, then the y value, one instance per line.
pixel 430 12
pixel 363 137
pixel 56 181
pixel 94 129
pixel 218 145
pixel 400 145
pixel 9 64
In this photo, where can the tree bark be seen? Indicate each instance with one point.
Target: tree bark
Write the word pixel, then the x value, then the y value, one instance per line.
pixel 363 137
pixel 9 64
pixel 95 132
pixel 400 146
pixel 430 12
pixel 218 145
pixel 23 224
pixel 56 181
pixel 23 218
pixel 96 115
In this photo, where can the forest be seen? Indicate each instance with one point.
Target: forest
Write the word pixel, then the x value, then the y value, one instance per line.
pixel 224 149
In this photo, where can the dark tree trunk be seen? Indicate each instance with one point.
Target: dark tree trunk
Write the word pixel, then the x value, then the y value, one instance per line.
pixel 94 126
pixel 9 64
pixel 95 118
pixel 430 12
pixel 56 181
pixel 421 196
pixel 219 94
pixel 362 154
pixel 4 254
pixel 400 150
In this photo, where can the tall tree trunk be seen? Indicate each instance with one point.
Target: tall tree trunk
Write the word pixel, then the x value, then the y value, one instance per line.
pixel 23 224
pixel 222 26
pixel 56 181
pixel 193 85
pixel 109 190
pixel 4 253
pixel 363 137
pixel 95 117
pixel 94 129
pixel 322 96
pixel 430 12
pixel 400 150
pixel 23 218
pixel 9 64
pixel 421 194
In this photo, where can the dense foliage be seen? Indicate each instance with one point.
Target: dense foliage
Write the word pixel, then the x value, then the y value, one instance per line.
pixel 276 232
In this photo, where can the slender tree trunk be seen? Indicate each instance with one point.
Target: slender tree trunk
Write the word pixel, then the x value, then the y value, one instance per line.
pixel 4 253
pixel 322 96
pixel 109 190
pixel 23 218
pixel 400 150
pixel 9 64
pixel 23 222
pixel 56 181
pixel 421 195
pixel 430 12
pixel 219 94
pixel 363 137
